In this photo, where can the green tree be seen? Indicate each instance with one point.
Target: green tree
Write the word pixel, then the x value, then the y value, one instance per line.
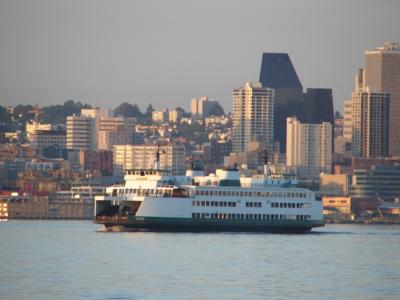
pixel 217 110
pixel 128 110
pixel 149 111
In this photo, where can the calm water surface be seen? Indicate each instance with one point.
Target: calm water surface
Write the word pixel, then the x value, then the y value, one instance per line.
pixel 70 260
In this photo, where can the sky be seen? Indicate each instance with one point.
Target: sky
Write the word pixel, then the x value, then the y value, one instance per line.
pixel 105 52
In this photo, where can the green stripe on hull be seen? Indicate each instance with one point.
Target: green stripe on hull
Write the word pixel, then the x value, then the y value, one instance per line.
pixel 189 224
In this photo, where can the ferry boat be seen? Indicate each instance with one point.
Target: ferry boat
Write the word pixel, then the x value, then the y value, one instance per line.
pixel 157 201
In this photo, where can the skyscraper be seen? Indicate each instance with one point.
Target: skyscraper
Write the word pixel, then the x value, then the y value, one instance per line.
pixel 382 74
pixel 371 119
pixel 278 73
pixel 252 116
pixel 348 121
pixel 309 148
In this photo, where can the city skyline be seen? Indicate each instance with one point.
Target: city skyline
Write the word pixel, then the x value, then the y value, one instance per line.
pixel 154 52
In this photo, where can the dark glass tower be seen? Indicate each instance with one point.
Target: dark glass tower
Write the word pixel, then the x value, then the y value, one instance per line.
pixel 278 73
pixel 318 108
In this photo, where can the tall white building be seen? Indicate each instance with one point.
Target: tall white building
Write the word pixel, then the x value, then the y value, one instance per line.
pixel 114 131
pixel 348 121
pixel 172 158
pixel 97 113
pixel 252 116
pixel 81 133
pixel 160 116
pixel 202 107
pixel 97 129
pixel 308 148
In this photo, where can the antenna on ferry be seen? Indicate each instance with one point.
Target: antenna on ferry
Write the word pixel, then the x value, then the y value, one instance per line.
pixel 157 161
pixel 266 164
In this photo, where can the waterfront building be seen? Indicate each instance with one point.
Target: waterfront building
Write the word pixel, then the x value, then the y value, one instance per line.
pixel 382 75
pixel 340 205
pixel 76 203
pixel 277 72
pixel 252 116
pixel 25 206
pixel 309 148
pixel 172 158
pixel 379 181
pixel 334 184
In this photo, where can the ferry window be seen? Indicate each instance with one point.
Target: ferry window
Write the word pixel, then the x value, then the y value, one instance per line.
pixel 202 193
pixel 224 193
pixel 251 204
pixel 259 204
pixel 193 203
pixel 225 204
pixel 234 204
pixel 216 203
pixel 207 203
pixel 203 203
pixel 281 205
pixel 206 193
pixel 197 193
pixel 285 205
pixel 219 193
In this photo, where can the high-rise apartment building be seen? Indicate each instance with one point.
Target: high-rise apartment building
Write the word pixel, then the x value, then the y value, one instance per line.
pixel 114 131
pixel 174 116
pixel 277 72
pixel 309 148
pixel 81 133
pixel 172 158
pixel 252 116
pixel 202 107
pixel 382 75
pixel 347 121
pixel 97 129
pixel 160 116
pixel 370 123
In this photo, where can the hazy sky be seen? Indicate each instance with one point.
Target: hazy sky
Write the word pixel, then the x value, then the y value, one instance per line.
pixel 105 52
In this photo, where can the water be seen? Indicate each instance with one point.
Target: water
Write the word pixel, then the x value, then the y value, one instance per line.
pixel 70 260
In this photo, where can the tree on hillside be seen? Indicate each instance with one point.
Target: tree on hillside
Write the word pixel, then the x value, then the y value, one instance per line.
pixel 217 110
pixel 57 114
pixel 149 112
pixel 128 110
